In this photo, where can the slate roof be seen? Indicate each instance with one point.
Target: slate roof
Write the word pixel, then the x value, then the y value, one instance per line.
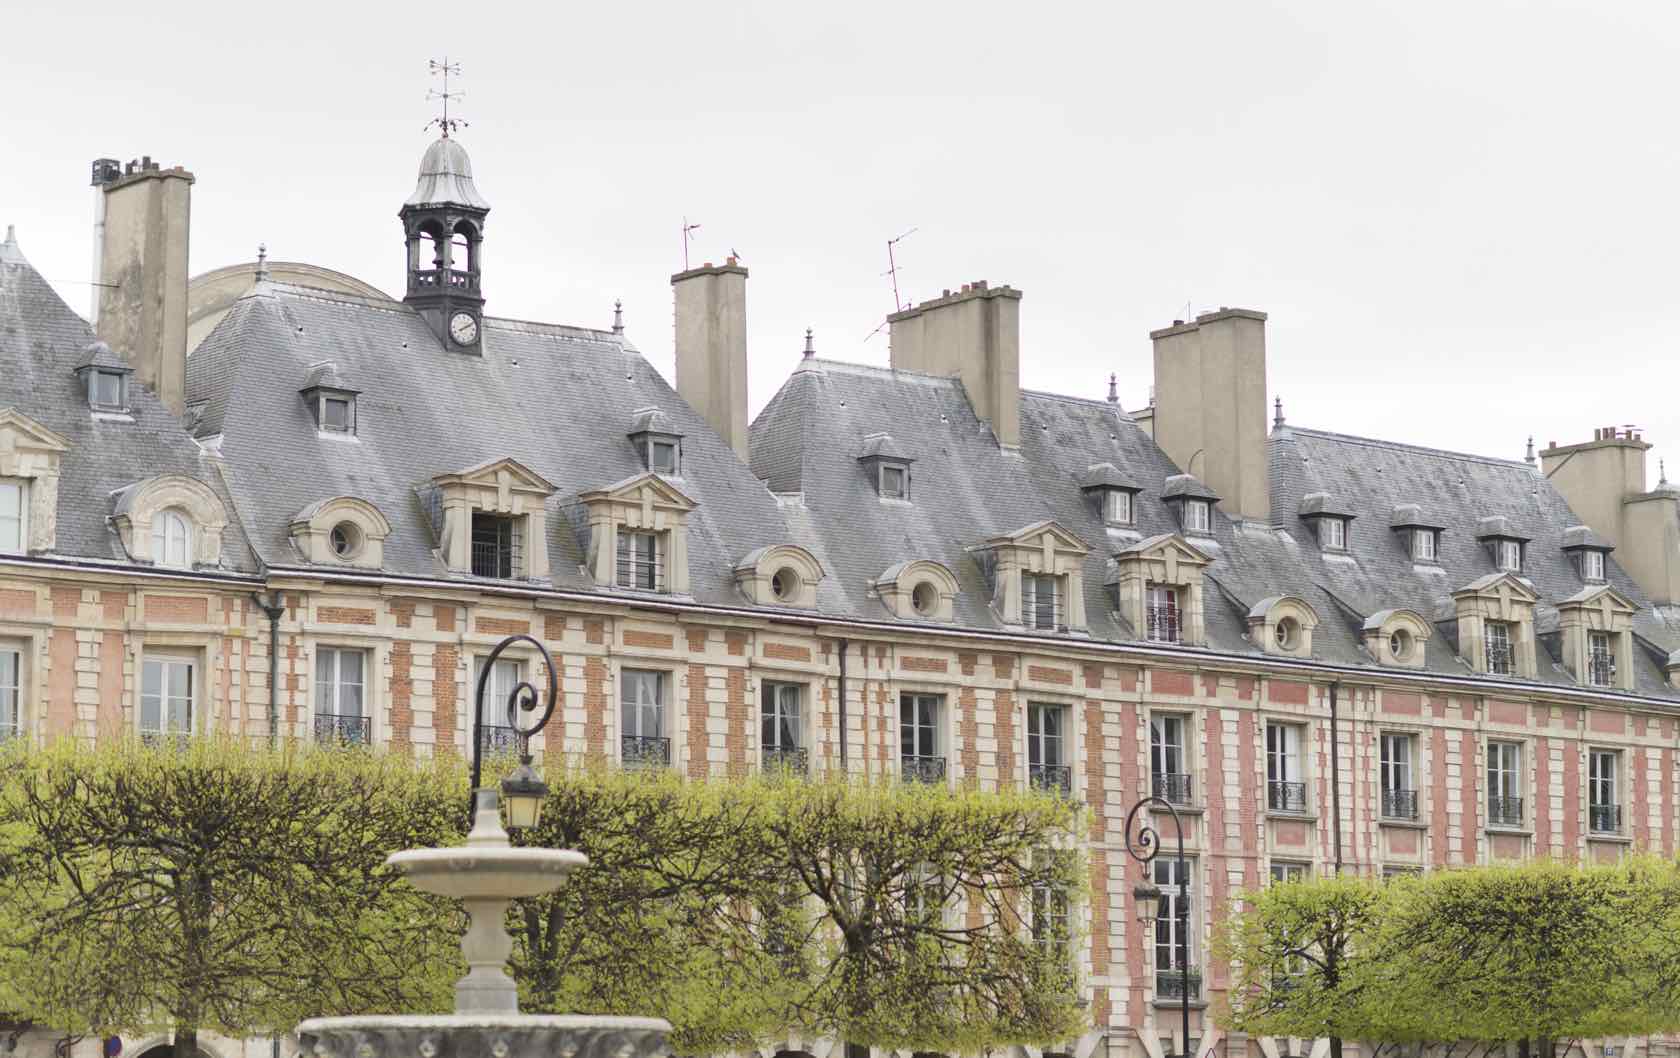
pixel 42 342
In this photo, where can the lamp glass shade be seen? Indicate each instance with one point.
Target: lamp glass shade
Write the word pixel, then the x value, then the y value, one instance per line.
pixel 1150 902
pixel 524 791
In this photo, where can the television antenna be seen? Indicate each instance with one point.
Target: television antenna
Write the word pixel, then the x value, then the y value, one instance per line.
pixel 445 123
pixel 688 231
pixel 892 269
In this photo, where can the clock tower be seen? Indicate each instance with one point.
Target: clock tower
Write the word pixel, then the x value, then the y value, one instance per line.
pixel 443 221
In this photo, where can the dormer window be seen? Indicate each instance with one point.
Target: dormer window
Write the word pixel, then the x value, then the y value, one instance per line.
pixel 1592 566
pixel 895 481
pixel 1418 534
pixel 638 560
pixel 1587 550
pixel 108 390
pixel 497 545
pixel 1194 502
pixel 1040 600
pixel 1196 516
pixel 657 441
pixel 338 414
pixel 1508 554
pixel 1332 534
pixel 171 539
pixel 1503 541
pixel 662 457
pixel 330 399
pixel 14 516
pixel 888 465
pixel 1114 491
pixel 1423 545
pixel 1117 507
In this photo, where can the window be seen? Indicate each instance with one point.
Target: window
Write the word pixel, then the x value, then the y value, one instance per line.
pixel 1117 507
pixel 1604 807
pixel 171 539
pixel 346 540
pixel 638 560
pixel 1284 872
pixel 1047 767
pixel 920 755
pixel 166 697
pixel 1286 791
pixel 338 415
pixel 1508 554
pixel 1039 607
pixel 1601 659
pixel 11 687
pixel 1195 516
pixel 496 735
pixel 895 482
pixel 1174 930
pixel 1162 616
pixel 14 517
pixel 340 685
pixel 1393 871
pixel 662 457
pixel 923 896
pixel 496 545
pixel 1400 644
pixel 1332 534
pixel 105 390
pixel 1287 633
pixel 1505 803
pixel 1423 545
pixel 1399 790
pixel 642 714
pixel 1169 776
pixel 1592 565
pixel 781 737
pixel 1498 641
pixel 1050 918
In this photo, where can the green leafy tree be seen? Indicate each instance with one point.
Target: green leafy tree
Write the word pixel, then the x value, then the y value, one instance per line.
pixel 211 885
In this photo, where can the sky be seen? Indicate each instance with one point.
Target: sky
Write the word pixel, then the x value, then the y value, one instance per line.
pixel 1461 217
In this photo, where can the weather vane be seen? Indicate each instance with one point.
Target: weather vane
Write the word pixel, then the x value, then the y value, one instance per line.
pixel 445 124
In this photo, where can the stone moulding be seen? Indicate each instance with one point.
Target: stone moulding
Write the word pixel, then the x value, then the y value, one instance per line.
pixel 484 1036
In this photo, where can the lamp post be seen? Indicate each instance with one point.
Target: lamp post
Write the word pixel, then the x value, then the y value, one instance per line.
pixel 524 790
pixel 1144 847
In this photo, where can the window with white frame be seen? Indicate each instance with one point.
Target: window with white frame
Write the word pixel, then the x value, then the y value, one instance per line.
pixel 781 733
pixel 1592 565
pixel 1047 758
pixel 1050 918
pixel 662 457
pixel 107 390
pixel 645 738
pixel 340 695
pixel 1505 784
pixel 171 539
pixel 921 749
pixel 1117 507
pixel 1604 800
pixel 1509 554
pixel 495 733
pixel 895 481
pixel 1332 534
pixel 1497 637
pixel 638 559
pixel 14 516
pixel 1286 789
pixel 338 414
pixel 11 691
pixel 1163 618
pixel 1399 788
pixel 167 686
pixel 1423 545
pixel 1168 764
pixel 1284 871
pixel 1601 659
pixel 1040 600
pixel 1195 516
pixel 1175 933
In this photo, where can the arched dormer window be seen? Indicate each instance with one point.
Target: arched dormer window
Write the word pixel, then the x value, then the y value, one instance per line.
pixel 171 520
pixel 171 539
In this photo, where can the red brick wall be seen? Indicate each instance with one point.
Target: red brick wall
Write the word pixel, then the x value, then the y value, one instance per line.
pixel 402 695
pixel 741 721
pixel 502 626
pixel 164 609
pixel 1006 709
pixel 595 705
pixel 345 615
pixel 445 712
pixel 696 720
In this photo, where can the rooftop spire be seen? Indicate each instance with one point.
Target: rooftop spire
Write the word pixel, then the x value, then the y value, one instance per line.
pixel 1529 458
pixel 1277 413
pixel 262 262
pixel 810 344
pixel 1113 389
pixel 1662 474
pixel 444 122
pixel 618 316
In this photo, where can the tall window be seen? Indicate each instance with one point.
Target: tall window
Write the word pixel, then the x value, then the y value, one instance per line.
pixel 166 696
pixel 1047 767
pixel 1399 791
pixel 1196 516
pixel 1050 918
pixel 1286 790
pixel 340 683
pixel 920 754
pixel 495 733
pixel 645 740
pixel 1592 565
pixel 1601 659
pixel 14 515
pixel 1176 925
pixel 1169 775
pixel 1423 545
pixel 1505 785
pixel 1162 618
pixel 496 545
pixel 1498 637
pixel 1509 553
pixel 780 735
pixel 11 679
pixel 638 560
pixel 1332 534
pixel 1604 803
pixel 1039 602
pixel 1117 507
pixel 171 539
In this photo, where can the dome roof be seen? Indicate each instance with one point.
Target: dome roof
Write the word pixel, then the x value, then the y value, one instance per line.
pixel 446 178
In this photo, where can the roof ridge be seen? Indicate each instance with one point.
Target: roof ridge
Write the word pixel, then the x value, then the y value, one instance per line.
pixel 886 371
pixel 1375 442
pixel 298 290
pixel 1065 398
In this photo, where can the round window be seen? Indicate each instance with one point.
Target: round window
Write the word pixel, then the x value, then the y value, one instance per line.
pixel 784 583
pixel 346 539
pixel 1400 644
pixel 1286 633
pixel 924 597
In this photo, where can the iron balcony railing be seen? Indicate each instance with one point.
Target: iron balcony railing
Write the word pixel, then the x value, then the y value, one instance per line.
pixel 347 730
pixel 1498 657
pixel 497 738
pixel 1601 668
pixel 922 769
pixel 1286 796
pixel 1171 787
pixel 1163 623
pixel 492 560
pixel 781 758
pixel 1505 811
pixel 1051 778
pixel 1604 819
pixel 645 751
pixel 427 279
pixel 1399 804
pixel 1171 984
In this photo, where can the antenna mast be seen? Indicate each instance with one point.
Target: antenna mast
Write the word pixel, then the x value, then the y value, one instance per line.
pixel 892 269
pixel 445 123
pixel 688 231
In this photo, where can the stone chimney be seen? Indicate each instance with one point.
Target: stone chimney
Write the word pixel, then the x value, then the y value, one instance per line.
pixel 1604 482
pixel 975 335
pixel 1210 405
pixel 142 217
pixel 711 345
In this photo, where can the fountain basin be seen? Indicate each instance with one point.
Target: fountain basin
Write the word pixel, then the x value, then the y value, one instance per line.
pixel 475 872
pixel 484 1036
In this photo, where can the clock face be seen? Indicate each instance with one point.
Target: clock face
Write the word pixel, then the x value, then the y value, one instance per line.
pixel 463 328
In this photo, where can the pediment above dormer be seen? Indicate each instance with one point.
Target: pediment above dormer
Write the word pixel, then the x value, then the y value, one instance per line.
pixel 1600 598
pixel 500 473
pixel 646 488
pixel 1045 535
pixel 1506 587
pixel 1173 559
pixel 28 449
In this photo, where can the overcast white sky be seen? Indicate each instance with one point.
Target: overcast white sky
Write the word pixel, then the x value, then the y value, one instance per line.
pixel 1461 216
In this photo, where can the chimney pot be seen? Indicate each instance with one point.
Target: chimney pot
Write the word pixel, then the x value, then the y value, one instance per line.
pixel 711 348
pixel 976 340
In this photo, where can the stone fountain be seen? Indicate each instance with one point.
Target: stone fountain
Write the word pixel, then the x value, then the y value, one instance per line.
pixel 485 874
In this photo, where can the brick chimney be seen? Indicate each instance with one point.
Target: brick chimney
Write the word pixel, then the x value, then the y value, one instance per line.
pixel 142 217
pixel 975 335
pixel 1210 405
pixel 711 346
pixel 1604 482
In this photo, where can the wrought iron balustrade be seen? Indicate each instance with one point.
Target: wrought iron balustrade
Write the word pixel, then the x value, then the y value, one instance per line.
pixel 922 769
pixel 1171 984
pixel 1399 804
pixel 1163 623
pixel 1171 787
pixel 1498 658
pixel 497 738
pixel 492 560
pixel 1601 668
pixel 1286 796
pixel 645 751
pixel 348 730
pixel 1604 819
pixel 1051 778
pixel 1505 811
pixel 782 758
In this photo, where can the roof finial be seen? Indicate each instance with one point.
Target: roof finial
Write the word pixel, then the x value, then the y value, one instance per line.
pixel 1113 390
pixel 445 123
pixel 810 344
pixel 618 316
pixel 1662 474
pixel 1529 458
pixel 1277 413
pixel 262 262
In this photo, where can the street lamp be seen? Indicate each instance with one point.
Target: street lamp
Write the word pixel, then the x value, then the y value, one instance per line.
pixel 524 790
pixel 1152 902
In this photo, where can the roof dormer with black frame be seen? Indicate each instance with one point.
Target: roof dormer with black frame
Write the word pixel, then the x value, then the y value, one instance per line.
pixel 888 466
pixel 658 441
pixel 105 379
pixel 1505 544
pixel 1589 553
pixel 1331 521
pixel 331 400
pixel 1418 534
pixel 1191 502
pixel 1115 494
